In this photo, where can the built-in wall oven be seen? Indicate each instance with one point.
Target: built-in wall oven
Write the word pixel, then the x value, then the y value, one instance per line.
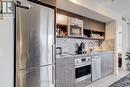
pixel 83 69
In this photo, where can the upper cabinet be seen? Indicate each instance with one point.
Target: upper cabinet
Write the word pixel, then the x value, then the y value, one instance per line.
pixel 61 19
pixel 97 26
pixel 75 21
pixel 75 27
pixel 86 24
pixel 94 25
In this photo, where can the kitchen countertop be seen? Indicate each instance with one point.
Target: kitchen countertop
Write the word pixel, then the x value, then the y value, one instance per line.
pixel 91 53
pixel 64 56
pixel 100 52
pixel 68 55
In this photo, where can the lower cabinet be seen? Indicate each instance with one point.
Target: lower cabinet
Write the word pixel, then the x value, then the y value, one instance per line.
pixel 106 64
pixel 83 83
pixel 65 72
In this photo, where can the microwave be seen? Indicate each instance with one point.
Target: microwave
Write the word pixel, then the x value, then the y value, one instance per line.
pixel 76 30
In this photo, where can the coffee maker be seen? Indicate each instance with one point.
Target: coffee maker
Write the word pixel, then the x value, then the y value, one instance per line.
pixel 81 49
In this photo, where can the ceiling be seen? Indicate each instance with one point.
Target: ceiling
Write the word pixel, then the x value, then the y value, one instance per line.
pixel 121 7
pixel 79 9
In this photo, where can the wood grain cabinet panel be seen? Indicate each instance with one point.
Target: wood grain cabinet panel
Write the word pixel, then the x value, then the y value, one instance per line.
pixel 50 2
pixel 97 26
pixel 86 25
pixel 61 19
pixel 94 25
pixel 75 21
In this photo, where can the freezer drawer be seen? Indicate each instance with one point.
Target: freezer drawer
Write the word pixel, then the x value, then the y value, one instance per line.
pixel 34 36
pixel 38 77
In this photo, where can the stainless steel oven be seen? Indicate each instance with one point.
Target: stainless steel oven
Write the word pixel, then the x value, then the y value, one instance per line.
pixel 83 68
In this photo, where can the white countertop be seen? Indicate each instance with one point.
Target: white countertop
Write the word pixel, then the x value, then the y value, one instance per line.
pixel 68 55
pixel 64 56
pixel 91 53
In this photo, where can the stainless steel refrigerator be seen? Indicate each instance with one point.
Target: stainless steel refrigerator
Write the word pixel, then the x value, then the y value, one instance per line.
pixel 35 45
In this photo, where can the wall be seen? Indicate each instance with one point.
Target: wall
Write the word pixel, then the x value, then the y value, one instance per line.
pixel 128 37
pixel 6 52
pixel 124 43
pixel 69 44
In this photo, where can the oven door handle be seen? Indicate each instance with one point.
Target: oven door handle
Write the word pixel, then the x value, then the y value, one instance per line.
pixel 83 64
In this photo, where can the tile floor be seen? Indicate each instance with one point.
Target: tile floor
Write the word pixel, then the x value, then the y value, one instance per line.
pixel 108 80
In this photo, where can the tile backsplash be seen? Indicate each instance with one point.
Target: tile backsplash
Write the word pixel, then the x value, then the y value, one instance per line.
pixel 69 44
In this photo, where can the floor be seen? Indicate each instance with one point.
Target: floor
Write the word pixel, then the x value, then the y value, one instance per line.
pixel 108 80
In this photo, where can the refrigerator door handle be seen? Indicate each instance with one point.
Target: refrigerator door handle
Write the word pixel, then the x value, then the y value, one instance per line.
pixel 53 53
pixel 53 75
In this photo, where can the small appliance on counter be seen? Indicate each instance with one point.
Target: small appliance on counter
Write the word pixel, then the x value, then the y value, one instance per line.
pixel 58 50
pixel 81 49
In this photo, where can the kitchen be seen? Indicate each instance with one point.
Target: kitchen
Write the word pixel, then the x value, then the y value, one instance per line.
pixel 61 45
pixel 83 54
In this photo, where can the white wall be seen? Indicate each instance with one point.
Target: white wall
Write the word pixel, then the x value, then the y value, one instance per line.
pixel 6 52
pixel 124 43
pixel 129 38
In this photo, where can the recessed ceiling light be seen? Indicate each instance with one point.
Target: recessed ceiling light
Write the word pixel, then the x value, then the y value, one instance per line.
pixel 74 1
